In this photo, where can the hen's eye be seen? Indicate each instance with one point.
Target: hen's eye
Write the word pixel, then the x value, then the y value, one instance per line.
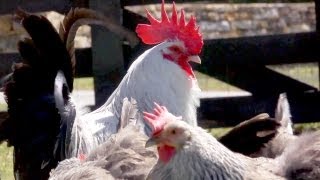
pixel 173 131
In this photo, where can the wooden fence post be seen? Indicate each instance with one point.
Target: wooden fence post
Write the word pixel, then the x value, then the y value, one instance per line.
pixel 107 54
pixel 317 11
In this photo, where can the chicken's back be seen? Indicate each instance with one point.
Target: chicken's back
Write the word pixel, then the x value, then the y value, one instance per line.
pixel 301 158
pixel 75 169
pixel 125 154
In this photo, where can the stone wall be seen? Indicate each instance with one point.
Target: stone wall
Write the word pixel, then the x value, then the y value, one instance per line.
pixel 234 20
pixel 11 32
pixel 215 20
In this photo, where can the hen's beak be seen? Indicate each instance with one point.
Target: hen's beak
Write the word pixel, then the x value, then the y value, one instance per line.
pixel 195 59
pixel 155 140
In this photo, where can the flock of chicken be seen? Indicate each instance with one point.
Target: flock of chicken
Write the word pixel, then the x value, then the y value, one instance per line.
pixel 147 129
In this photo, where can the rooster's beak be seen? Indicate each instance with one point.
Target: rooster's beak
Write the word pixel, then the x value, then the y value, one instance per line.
pixel 195 59
pixel 155 140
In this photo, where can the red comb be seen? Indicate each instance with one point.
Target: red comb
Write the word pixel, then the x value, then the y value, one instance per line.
pixel 166 29
pixel 156 120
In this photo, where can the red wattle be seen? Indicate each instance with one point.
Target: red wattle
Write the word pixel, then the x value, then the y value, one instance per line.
pixel 182 62
pixel 166 153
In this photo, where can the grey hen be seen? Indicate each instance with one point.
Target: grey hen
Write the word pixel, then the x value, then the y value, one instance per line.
pixel 123 156
pixel 187 152
pixel 284 136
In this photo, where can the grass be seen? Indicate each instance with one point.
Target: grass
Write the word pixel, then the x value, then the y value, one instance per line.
pixel 6 166
pixel 83 83
pixel 3 107
pixel 207 83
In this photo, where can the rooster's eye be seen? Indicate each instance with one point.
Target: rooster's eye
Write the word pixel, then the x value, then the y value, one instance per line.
pixel 175 49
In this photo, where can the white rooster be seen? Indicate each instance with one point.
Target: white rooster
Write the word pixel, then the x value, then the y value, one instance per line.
pixel 160 74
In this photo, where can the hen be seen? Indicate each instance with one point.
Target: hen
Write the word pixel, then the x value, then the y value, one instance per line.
pixel 284 135
pixel 161 74
pixel 187 152
pixel 122 156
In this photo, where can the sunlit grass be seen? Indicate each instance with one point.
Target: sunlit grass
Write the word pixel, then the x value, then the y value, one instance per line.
pixel 3 107
pixel 85 83
pixel 6 164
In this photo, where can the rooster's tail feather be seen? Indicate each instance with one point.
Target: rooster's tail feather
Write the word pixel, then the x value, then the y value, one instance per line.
pixel 67 113
pixel 128 113
pixel 82 16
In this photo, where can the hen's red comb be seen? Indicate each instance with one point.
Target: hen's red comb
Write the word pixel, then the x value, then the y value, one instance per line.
pixel 156 120
pixel 166 29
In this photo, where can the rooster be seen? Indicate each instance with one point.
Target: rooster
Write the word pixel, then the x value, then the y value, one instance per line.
pixel 39 102
pixel 153 76
pixel 187 152
pixel 34 122
pixel 161 74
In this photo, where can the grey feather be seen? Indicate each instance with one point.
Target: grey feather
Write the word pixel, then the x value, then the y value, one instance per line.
pixel 284 136
pixel 125 155
pixel 128 113
pixel 122 156
pixel 75 169
pixel 301 158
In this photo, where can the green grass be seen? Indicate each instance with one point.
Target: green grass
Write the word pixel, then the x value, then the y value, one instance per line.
pixel 207 83
pixel 83 83
pixel 307 72
pixel 3 107
pixel 6 166
pixel 218 132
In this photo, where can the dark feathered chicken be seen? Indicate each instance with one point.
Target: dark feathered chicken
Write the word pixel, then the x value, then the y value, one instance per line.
pixel 251 135
pixel 262 135
pixel 34 122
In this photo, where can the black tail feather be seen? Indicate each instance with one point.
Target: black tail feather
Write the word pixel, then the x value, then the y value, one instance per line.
pixel 251 136
pixel 34 121
pixel 50 46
